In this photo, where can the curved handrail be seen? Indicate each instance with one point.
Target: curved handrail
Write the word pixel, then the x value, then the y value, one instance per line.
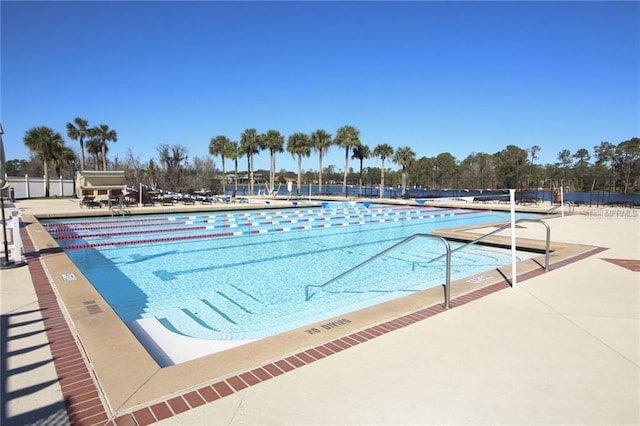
pixel 570 204
pixel 447 289
pixel 508 225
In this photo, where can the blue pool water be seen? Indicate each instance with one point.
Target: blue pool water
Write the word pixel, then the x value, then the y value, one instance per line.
pixel 244 274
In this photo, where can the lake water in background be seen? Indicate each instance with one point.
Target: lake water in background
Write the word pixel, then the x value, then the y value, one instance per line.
pixel 595 197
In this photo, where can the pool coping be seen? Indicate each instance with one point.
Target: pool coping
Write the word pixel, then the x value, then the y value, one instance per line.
pixel 131 383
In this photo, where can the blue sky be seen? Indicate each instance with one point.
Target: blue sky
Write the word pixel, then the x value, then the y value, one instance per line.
pixel 458 77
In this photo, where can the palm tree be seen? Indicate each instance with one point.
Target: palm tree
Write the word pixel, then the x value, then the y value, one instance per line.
pixel 78 132
pixel 404 156
pixel 299 144
pixel 347 137
pixel 47 144
pixel 382 151
pixel 234 153
pixel 320 141
pixel 360 153
pixel 274 142
pixel 250 143
pixel 220 146
pixel 62 159
pixel 102 134
pixel 93 148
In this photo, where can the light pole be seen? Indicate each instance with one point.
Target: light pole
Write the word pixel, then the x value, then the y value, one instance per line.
pixel 73 177
pixel 4 263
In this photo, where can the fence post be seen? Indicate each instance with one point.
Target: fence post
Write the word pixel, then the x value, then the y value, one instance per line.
pixel 26 184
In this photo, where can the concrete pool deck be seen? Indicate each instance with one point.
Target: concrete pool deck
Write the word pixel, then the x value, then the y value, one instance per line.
pixel 561 347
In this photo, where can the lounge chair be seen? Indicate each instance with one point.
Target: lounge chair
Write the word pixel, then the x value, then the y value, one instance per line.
pixel 90 202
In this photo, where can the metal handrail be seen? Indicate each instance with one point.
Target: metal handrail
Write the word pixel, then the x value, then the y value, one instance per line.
pixel 447 286
pixel 570 205
pixel 546 250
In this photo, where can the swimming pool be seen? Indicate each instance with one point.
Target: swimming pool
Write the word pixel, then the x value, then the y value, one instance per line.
pixel 241 275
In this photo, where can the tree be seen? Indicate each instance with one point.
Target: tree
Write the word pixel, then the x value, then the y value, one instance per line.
pixel 78 132
pixel 534 156
pixel 347 137
pixel 321 142
pixel 235 152
pixel 152 173
pixel 511 165
pixel 382 151
pixel 173 157
pixel 94 149
pixel 274 142
pixel 62 159
pixel 102 134
pixel 361 152
pixel 445 169
pixel 629 153
pixel 299 145
pixel 605 155
pixel 404 156
pixel 220 146
pixel 47 144
pixel 581 165
pixel 250 143
pixel 564 158
pixel 16 167
pixel 476 171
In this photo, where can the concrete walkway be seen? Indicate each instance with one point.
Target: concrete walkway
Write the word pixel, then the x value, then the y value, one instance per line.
pixel 560 348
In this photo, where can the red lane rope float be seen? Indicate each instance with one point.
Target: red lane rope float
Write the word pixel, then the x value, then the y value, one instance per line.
pixel 119 234
pixel 145 219
pixel 150 240
pixel 98 228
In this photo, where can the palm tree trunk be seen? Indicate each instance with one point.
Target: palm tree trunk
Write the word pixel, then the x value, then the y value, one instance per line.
pixel 320 172
pixel 346 170
pixel 45 166
pixel 404 182
pixel 299 173
pixel 382 180
pixel 360 178
pixel 224 177
pixel 81 154
pixel 236 176
pixel 251 174
pixel 272 175
pixel 104 156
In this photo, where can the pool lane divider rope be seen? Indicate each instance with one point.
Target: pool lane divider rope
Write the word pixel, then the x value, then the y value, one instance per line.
pixel 230 216
pixel 74 235
pixel 242 232
pixel 66 228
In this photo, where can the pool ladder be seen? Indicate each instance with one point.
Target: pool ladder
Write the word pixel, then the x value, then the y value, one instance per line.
pixel 119 208
pixel 447 254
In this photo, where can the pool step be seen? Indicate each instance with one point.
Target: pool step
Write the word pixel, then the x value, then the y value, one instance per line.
pixel 223 314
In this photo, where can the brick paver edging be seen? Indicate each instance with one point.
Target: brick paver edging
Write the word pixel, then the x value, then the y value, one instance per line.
pixel 79 390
